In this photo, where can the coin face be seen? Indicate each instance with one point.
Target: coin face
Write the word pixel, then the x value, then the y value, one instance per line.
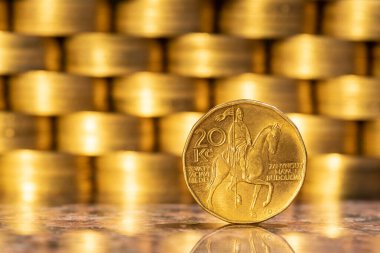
pixel 242 238
pixel 244 161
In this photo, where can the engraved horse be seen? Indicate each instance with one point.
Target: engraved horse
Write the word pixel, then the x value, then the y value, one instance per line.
pixel 257 163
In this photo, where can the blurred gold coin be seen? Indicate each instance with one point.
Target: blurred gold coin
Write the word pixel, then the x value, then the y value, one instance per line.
pixel 163 18
pixel 42 177
pixel 174 129
pixel 138 177
pixel 261 18
pixel 244 161
pixel 20 131
pixel 349 97
pixel 50 93
pixel 278 91
pixel 105 54
pixel 96 133
pixel 326 135
pixel 54 18
pixel 148 94
pixel 209 55
pixel 343 177
pixel 352 20
pixel 20 53
pixel 308 56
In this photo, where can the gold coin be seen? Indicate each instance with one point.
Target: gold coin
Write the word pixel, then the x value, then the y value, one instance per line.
pixel 244 161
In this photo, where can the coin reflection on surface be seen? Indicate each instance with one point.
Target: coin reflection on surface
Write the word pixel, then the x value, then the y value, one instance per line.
pixel 24 220
pixel 179 242
pixel 85 241
pixel 241 239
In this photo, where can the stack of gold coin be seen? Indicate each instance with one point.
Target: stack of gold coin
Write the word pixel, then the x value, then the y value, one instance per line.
pixel 371 138
pixel 138 177
pixel 349 97
pixel 42 177
pixel 312 57
pixel 52 93
pixel 326 135
pixel 95 133
pixel 280 92
pixel 20 53
pixel 19 131
pixel 174 129
pixel 105 54
pixel 352 20
pixel 57 18
pixel 4 15
pixel 262 18
pixel 148 94
pixel 341 176
pixel 162 18
pixel 209 55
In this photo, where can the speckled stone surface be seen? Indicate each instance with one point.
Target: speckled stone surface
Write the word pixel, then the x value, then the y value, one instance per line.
pixel 333 227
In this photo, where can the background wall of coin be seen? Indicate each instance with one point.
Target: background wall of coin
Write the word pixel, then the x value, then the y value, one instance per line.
pixel 98 96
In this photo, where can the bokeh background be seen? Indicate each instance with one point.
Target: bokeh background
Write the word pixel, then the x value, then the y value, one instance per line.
pixel 97 97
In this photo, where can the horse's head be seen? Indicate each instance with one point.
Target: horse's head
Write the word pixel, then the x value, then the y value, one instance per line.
pixel 273 138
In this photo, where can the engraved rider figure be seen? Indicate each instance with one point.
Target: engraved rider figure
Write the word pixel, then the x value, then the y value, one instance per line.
pixel 239 139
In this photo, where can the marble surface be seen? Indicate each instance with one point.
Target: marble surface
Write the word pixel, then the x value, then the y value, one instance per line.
pixel 331 227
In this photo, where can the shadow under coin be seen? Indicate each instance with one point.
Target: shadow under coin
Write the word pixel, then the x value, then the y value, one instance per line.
pixel 241 239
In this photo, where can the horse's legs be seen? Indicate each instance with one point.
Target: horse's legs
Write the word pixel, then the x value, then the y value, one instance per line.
pixel 270 189
pixel 256 191
pixel 220 174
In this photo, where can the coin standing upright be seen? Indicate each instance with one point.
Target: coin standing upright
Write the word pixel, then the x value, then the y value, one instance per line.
pixel 244 161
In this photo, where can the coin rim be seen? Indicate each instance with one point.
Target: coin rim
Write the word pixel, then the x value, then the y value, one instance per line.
pixel 230 103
